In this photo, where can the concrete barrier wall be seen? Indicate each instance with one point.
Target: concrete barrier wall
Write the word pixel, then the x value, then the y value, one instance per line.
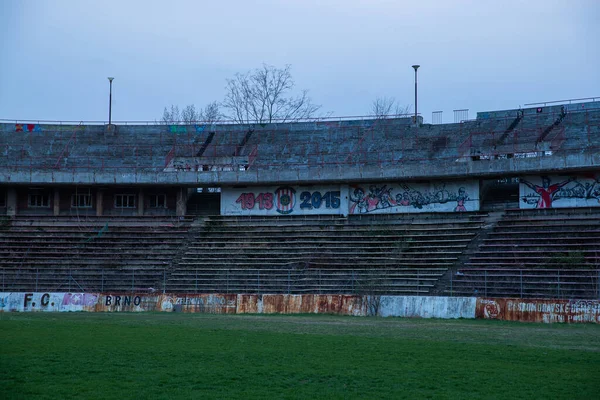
pixel 284 200
pixel 556 191
pixel 428 307
pixel 408 197
pixel 373 198
pixel 532 310
pixel 539 310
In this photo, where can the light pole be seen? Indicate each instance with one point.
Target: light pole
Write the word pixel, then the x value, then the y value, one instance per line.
pixel 110 79
pixel 416 67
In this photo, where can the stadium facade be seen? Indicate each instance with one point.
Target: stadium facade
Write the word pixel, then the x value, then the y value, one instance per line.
pixel 505 205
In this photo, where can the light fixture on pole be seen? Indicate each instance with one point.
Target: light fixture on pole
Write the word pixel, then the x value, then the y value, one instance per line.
pixel 110 79
pixel 416 113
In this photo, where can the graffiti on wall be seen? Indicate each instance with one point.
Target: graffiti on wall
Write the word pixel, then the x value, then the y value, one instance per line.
pixel 282 200
pixel 418 197
pixel 28 128
pixel 526 310
pixel 559 191
pixel 48 301
pixel 539 310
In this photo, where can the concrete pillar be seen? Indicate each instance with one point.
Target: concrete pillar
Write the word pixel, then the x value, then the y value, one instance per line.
pixel 181 209
pixel 11 201
pixel 140 204
pixel 344 203
pixel 56 202
pixel 99 202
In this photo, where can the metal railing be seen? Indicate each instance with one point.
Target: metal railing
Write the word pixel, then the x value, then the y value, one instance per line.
pixel 420 147
pixel 229 280
pixel 570 101
pixel 563 283
pixel 327 118
pixel 481 282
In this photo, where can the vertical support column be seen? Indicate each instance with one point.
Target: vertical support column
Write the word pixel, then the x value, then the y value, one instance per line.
pixel 181 207
pixel 99 202
pixel 344 193
pixel 11 202
pixel 56 202
pixel 140 204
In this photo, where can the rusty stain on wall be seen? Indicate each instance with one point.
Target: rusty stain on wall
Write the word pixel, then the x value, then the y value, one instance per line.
pixel 539 310
pixel 305 304
pixel 534 310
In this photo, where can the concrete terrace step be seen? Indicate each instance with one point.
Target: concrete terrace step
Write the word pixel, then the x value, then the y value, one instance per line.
pixel 321 225
pixel 110 230
pixel 518 251
pixel 342 247
pixel 354 217
pixel 357 270
pixel 534 241
pixel 314 264
pixel 85 235
pixel 292 254
pixel 560 227
pixel 532 262
pixel 510 247
pixel 334 243
pixel 547 232
pixel 323 236
pixel 311 255
pixel 367 229
pixel 552 219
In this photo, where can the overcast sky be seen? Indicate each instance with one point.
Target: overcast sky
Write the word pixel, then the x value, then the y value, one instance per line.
pixel 482 55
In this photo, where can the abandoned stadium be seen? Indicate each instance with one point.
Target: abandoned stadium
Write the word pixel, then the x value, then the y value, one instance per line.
pixel 495 217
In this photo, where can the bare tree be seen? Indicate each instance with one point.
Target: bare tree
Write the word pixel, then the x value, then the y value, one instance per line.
pixel 171 117
pixel 210 113
pixel 263 95
pixel 388 107
pixel 189 115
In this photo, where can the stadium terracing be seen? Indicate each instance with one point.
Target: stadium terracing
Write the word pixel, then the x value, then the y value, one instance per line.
pixel 502 205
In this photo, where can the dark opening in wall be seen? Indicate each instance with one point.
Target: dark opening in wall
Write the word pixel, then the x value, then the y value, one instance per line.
pixel 125 200
pixel 38 198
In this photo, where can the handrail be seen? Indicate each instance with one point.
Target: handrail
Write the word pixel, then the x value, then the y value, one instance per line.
pixel 220 122
pixel 563 101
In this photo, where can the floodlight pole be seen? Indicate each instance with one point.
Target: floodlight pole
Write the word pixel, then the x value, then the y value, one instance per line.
pixel 110 79
pixel 416 113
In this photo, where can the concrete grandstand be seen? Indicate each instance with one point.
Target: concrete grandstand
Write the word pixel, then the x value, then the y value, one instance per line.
pixel 503 205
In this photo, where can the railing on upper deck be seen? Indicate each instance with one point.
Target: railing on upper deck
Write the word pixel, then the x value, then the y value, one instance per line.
pixel 461 144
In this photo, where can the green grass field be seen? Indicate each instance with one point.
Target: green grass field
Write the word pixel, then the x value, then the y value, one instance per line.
pixel 144 356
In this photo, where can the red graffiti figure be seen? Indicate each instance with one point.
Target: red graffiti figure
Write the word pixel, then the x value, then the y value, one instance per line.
pixel 546 191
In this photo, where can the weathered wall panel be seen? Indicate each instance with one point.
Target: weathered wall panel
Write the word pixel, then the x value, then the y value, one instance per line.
pixel 559 191
pixel 296 304
pixel 34 302
pixel 435 196
pixel 283 200
pixel 428 307
pixel 533 310
pixel 539 310
pixel 383 198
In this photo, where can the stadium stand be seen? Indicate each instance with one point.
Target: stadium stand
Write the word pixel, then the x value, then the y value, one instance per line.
pixel 380 253
pixel 536 253
pixel 139 207
pixel 54 253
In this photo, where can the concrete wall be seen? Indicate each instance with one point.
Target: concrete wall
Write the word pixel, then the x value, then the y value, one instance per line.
pixel 374 198
pixel 283 200
pixel 327 152
pixel 408 197
pixel 532 310
pixel 428 307
pixel 556 191
pixel 539 310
